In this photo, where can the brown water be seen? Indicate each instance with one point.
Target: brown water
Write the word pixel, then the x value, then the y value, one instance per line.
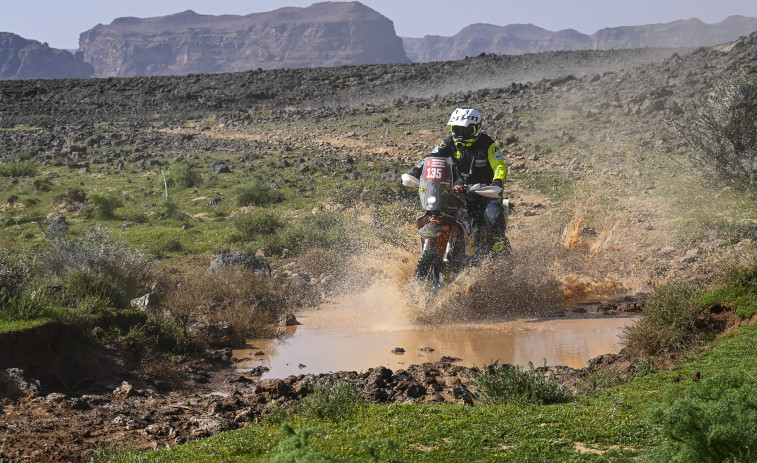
pixel 362 333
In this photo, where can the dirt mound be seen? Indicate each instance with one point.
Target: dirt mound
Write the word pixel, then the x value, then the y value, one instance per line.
pixel 62 358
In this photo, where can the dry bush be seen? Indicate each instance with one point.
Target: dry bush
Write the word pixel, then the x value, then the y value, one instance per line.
pixel 165 371
pixel 250 302
pixel 95 252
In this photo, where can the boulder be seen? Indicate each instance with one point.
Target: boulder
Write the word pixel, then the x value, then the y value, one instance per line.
pixel 57 225
pixel 148 301
pixel 240 259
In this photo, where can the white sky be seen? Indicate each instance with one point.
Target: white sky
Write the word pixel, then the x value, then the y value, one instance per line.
pixel 59 22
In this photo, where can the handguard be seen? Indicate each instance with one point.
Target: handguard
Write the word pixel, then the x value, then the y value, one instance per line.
pixel 489 191
pixel 410 181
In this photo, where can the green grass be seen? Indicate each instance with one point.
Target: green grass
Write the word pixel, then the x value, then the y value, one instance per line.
pixel 21 325
pixel 18 169
pixel 740 292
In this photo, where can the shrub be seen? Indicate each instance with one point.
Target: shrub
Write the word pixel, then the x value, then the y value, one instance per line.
pixel 138 341
pixel 255 224
pixel 297 448
pixel 85 309
pixel 246 300
pixel 180 175
pixel 104 204
pixel 94 252
pixel 256 194
pixel 716 421
pixel 167 209
pixel 323 230
pixel 668 324
pixel 500 384
pixel 27 306
pixel 723 132
pixel 334 400
pixel 598 381
pixel 161 247
pixel 13 275
pixel 18 169
pixel 99 288
pixel 169 333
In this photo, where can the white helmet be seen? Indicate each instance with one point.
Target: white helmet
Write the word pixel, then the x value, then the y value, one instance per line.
pixel 465 124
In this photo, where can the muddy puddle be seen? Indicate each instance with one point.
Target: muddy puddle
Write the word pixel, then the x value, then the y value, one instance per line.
pixel 355 337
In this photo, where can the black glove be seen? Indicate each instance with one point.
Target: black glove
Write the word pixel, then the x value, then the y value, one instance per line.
pixel 497 182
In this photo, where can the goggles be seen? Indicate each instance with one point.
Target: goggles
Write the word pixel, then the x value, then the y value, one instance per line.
pixel 464 132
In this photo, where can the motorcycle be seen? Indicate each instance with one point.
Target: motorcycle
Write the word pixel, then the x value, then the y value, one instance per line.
pixel 449 236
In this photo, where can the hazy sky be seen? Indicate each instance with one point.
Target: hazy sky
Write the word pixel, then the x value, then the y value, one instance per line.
pixel 59 22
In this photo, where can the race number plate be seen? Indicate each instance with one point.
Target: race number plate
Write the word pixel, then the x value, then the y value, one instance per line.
pixel 436 169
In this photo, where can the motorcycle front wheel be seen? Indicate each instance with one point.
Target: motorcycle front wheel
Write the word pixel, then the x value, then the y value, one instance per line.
pixel 432 269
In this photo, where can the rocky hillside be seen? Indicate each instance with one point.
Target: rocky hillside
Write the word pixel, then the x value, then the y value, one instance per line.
pixel 323 34
pixel 527 38
pixel 28 59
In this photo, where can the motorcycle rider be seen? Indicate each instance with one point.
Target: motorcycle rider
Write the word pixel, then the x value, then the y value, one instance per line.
pixel 477 159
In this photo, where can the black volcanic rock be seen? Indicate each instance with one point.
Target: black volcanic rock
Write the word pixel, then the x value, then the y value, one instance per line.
pixel 28 59
pixel 517 39
pixel 323 34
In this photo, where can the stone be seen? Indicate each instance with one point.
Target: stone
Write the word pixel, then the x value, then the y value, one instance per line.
pixel 240 259
pixel 289 320
pixel 57 223
pixel 143 303
pixel 275 387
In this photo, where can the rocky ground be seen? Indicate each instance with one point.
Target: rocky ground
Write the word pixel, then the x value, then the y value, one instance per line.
pixel 58 404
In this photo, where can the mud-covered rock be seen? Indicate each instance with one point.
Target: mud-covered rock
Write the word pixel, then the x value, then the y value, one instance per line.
pixel 275 387
pixel 214 335
pixel 14 385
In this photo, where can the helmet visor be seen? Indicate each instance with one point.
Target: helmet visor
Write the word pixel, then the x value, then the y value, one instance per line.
pixel 464 132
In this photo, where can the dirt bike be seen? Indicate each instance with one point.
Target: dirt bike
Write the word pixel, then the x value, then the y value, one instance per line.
pixel 449 236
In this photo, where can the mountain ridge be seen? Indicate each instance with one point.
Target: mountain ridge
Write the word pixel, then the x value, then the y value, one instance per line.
pixel 323 34
pixel 528 38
